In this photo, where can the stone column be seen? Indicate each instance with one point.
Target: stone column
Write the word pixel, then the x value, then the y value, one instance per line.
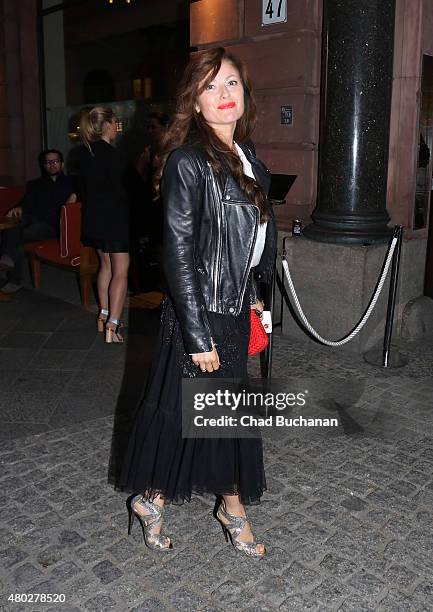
pixel 356 99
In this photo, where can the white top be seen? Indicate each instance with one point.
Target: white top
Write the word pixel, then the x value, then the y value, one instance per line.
pixel 261 231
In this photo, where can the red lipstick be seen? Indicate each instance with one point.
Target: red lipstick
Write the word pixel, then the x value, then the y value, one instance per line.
pixel 226 105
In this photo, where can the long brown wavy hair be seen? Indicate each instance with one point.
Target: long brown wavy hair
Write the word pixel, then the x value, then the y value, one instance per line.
pixel 190 127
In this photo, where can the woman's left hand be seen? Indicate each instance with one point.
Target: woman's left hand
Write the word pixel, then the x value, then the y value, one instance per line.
pixel 208 361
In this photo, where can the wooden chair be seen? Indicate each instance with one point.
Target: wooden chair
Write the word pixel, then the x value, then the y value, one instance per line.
pixel 10 197
pixel 68 252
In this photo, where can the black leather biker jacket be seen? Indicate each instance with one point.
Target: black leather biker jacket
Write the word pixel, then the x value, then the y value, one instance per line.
pixel 210 229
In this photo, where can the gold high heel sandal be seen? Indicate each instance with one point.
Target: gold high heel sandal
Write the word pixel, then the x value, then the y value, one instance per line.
pixel 232 528
pixel 102 319
pixel 112 334
pixel 151 518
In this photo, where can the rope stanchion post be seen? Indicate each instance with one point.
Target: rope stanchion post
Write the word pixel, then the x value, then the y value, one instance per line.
pixel 266 360
pixel 282 280
pixel 270 306
pixel 280 322
pixel 392 297
pixel 386 358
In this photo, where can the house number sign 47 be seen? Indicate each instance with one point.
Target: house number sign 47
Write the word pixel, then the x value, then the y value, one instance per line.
pixel 274 11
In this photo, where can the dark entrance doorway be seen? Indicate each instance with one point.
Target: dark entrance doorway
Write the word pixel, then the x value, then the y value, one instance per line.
pixel 422 218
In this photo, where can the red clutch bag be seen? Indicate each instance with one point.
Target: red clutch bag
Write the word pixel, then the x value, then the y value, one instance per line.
pixel 258 337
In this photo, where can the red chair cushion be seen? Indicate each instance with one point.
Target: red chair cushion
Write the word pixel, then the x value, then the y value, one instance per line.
pixel 30 247
pixel 10 197
pixel 70 230
pixel 50 251
pixel 65 251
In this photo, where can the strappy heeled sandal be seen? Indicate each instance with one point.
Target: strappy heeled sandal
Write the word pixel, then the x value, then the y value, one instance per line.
pixel 112 334
pixel 232 528
pixel 149 519
pixel 102 319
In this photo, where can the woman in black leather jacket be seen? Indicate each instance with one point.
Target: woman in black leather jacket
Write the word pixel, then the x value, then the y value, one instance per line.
pixel 219 233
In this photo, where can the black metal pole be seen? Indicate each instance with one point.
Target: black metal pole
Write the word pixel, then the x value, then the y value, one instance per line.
pixel 271 308
pixel 282 280
pixel 277 282
pixel 398 232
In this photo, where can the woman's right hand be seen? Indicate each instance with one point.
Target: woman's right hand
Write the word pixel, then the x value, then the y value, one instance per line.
pixel 207 362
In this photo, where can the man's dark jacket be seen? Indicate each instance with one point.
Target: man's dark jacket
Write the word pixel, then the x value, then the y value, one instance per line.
pixel 44 198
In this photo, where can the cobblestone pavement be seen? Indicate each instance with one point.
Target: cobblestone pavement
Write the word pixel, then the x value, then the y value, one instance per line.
pixel 347 516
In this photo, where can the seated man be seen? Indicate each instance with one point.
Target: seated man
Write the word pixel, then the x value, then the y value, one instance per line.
pixel 39 214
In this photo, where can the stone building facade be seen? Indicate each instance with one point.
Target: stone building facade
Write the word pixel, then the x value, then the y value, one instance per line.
pixel 285 62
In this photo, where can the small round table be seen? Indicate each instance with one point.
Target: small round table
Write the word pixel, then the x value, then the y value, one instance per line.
pixel 8 222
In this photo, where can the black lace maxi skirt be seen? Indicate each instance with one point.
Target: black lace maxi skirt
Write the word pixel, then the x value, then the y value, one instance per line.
pixel 158 460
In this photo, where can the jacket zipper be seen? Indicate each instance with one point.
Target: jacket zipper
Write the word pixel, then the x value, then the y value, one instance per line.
pixel 257 221
pixel 256 212
pixel 218 255
pixel 218 250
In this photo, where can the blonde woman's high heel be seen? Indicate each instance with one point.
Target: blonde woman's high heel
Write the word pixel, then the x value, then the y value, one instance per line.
pixel 102 319
pixel 112 333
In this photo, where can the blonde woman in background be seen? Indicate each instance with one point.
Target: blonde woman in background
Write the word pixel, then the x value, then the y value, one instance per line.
pixel 105 225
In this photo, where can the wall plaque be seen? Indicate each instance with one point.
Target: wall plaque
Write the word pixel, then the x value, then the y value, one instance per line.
pixel 287 115
pixel 274 11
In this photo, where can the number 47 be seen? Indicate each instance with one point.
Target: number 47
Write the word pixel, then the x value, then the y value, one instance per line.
pixel 270 8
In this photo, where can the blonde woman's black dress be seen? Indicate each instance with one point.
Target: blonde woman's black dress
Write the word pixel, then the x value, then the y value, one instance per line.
pixel 102 174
